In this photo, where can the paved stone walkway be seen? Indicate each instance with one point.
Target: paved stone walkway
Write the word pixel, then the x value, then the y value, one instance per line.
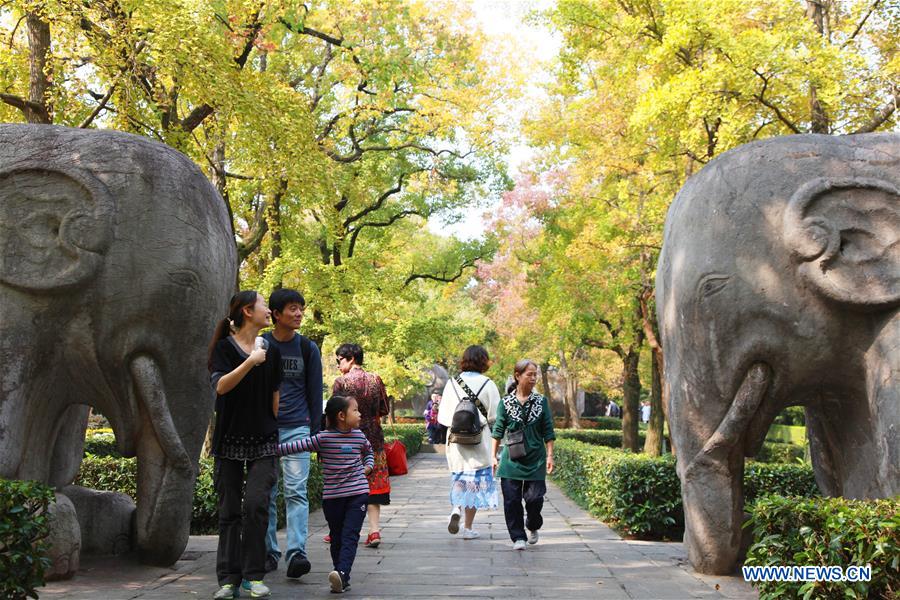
pixel 577 557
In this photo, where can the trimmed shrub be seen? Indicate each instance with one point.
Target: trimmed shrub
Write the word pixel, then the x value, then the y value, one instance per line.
pixel 412 435
pixel 606 423
pixel 597 437
pixel 781 452
pixel 101 444
pixel 827 531
pixel 635 494
pixel 641 496
pixel 24 527
pixel 791 434
pixel 761 479
pixel 116 474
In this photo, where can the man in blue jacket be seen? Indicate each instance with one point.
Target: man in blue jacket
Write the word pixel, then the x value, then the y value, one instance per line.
pixel 299 416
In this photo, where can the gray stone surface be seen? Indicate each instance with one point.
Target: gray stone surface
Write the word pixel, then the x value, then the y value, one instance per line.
pixel 106 519
pixel 779 284
pixel 577 557
pixel 64 540
pixel 116 260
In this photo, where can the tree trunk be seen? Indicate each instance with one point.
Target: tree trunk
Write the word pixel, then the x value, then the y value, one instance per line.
pixel 38 109
pixel 572 420
pixel 653 443
pixel 545 382
pixel 631 400
pixel 818 14
pixel 274 218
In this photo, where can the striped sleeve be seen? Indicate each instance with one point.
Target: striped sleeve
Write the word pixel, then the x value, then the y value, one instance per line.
pixel 367 455
pixel 305 445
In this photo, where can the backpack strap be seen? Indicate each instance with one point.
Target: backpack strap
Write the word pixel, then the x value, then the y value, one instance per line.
pixel 473 397
pixel 305 349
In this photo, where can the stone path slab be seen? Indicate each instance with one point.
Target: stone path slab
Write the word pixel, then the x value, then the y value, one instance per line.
pixel 577 557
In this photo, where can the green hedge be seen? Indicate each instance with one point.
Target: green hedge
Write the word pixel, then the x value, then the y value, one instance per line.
pixel 118 474
pixel 641 496
pixel 827 531
pixel 24 527
pixel 101 444
pixel 781 452
pixel 791 434
pixel 597 437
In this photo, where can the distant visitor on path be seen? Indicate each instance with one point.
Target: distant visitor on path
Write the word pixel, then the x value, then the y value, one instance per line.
pixel 299 416
pixel 246 378
pixel 472 484
pixel 525 420
pixel 347 459
pixel 368 390
pixel 437 433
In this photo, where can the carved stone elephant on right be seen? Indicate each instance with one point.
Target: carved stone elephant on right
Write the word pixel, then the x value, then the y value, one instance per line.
pixel 779 284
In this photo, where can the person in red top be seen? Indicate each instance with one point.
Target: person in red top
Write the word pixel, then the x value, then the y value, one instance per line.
pixel 368 389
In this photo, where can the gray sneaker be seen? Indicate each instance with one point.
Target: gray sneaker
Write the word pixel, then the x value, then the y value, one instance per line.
pixel 227 591
pixel 519 545
pixel 533 537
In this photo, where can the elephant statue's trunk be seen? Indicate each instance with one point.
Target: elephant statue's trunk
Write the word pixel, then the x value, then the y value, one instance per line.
pixel 711 480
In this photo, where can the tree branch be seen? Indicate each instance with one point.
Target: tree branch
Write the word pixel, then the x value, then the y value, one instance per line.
pixel 443 278
pixel 761 97
pixel 90 118
pixel 381 200
pixel 883 114
pixel 248 246
pixel 388 223
pixel 862 23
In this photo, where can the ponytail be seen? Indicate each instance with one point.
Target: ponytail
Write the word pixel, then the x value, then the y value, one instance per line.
pixel 232 322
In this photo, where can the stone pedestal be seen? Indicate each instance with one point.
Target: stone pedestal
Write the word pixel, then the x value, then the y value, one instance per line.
pixel 106 519
pixel 65 539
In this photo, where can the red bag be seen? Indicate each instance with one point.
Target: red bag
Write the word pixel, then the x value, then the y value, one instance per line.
pixel 395 455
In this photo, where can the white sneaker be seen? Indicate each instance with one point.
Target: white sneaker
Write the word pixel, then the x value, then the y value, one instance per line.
pixel 453 525
pixel 227 591
pixel 533 537
pixel 470 534
pixel 519 545
pixel 258 590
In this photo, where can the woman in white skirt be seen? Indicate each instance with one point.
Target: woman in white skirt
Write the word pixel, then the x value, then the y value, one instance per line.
pixel 472 484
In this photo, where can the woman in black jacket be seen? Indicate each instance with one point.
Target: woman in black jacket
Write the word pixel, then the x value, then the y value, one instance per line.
pixel 246 377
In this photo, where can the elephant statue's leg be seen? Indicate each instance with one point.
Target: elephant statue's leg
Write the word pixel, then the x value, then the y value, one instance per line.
pixel 69 447
pixel 712 481
pixel 166 475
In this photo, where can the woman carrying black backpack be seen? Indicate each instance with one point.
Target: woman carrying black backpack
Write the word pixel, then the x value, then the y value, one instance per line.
pixel 525 419
pixel 468 408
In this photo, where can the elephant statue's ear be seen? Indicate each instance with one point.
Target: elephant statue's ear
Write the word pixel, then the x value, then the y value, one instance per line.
pixel 845 235
pixel 55 226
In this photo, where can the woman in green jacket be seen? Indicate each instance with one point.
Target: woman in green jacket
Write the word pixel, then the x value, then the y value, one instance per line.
pixel 525 410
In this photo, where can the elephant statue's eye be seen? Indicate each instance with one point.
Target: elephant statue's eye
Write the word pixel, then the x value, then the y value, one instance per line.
pixel 185 278
pixel 712 284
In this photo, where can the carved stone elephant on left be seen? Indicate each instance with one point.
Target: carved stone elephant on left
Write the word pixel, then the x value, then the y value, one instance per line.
pixel 116 259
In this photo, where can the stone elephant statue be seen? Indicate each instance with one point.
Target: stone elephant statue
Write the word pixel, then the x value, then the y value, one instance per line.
pixel 116 259
pixel 779 284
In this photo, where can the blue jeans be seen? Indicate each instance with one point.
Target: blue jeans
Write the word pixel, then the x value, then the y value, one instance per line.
pixel 295 469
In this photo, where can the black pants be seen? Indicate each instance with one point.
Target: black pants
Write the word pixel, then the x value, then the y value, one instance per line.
pixel 514 491
pixel 243 520
pixel 345 519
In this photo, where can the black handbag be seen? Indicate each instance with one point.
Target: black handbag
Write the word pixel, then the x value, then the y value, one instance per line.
pixel 515 444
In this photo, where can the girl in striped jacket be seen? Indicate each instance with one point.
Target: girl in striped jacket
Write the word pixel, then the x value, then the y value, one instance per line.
pixel 346 457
